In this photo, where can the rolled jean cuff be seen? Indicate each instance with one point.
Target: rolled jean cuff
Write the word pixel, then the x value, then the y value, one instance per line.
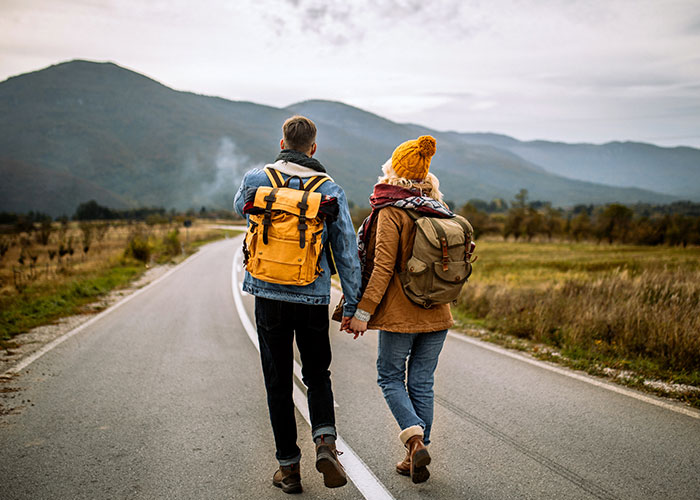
pixel 328 430
pixel 290 461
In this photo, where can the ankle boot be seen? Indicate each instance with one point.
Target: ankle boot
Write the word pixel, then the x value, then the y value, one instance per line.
pixel 419 459
pixel 404 467
pixel 288 478
pixel 327 463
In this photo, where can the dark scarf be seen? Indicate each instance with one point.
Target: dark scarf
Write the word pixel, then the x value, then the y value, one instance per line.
pixel 386 195
pixel 299 158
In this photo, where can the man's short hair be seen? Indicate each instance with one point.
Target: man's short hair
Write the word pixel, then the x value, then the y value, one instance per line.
pixel 299 133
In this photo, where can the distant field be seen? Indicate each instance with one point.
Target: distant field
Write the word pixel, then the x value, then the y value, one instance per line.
pixel 39 283
pixel 601 306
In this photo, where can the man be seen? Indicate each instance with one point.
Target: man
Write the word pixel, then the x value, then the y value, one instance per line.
pixel 283 311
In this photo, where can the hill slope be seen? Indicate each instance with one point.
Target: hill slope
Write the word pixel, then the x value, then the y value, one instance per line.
pixel 674 171
pixel 467 170
pixel 100 131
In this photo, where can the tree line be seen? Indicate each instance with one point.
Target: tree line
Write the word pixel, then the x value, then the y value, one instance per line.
pixel 676 224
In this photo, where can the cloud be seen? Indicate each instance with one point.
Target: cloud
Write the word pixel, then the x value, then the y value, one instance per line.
pixel 463 64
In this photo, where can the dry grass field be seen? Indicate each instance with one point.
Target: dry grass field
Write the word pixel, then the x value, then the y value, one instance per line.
pixel 600 307
pixel 41 281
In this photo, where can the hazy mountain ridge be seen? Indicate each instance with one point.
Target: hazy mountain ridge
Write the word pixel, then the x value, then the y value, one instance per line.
pixel 671 170
pixel 125 139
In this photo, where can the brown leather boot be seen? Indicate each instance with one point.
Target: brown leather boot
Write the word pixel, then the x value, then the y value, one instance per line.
pixel 327 463
pixel 288 478
pixel 419 458
pixel 404 467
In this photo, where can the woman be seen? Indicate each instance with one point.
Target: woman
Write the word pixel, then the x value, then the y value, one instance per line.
pixel 409 334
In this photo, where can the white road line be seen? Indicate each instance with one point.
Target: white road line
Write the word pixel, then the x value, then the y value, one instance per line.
pixel 583 378
pixel 59 340
pixel 358 472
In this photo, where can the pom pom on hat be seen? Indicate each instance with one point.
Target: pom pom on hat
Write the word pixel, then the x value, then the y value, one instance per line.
pixel 426 145
pixel 411 159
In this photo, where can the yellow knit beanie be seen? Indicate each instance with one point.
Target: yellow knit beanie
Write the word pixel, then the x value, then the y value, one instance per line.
pixel 411 159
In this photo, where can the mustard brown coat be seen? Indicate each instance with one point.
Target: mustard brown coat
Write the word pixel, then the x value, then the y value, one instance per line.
pixel 390 246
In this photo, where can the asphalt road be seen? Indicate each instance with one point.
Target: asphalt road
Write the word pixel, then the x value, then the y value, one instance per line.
pixel 163 397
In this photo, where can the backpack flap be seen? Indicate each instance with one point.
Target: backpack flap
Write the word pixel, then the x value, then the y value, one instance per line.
pixel 454 231
pixel 289 200
pixel 456 272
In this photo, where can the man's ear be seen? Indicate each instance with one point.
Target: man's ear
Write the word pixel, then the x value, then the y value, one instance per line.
pixel 281 143
pixel 313 149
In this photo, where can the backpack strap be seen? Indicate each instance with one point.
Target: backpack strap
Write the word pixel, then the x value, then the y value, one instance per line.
pixel 314 183
pixel 303 207
pixel 442 236
pixel 413 215
pixel 267 218
pixel 468 243
pixel 274 176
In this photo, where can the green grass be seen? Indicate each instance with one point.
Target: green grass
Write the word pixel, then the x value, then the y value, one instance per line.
pixel 45 303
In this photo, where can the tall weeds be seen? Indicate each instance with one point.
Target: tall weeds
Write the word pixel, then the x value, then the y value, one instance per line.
pixel 654 314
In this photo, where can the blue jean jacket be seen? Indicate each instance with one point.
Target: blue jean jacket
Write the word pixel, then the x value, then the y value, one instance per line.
pixel 343 243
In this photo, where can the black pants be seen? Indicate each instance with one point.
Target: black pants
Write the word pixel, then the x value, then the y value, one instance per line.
pixel 277 323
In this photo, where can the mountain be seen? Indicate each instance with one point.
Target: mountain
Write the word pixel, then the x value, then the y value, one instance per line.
pixel 42 190
pixel 83 130
pixel 466 169
pixel 135 139
pixel 674 171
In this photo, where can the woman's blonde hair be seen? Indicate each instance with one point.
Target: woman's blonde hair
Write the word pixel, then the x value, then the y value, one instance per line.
pixel 430 186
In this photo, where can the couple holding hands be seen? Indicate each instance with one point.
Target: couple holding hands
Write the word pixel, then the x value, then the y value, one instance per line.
pixel 410 336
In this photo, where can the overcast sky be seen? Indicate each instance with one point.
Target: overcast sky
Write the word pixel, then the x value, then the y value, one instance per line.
pixel 569 70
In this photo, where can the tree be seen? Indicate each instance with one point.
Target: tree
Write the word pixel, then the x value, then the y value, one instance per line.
pixel 479 220
pixel 520 199
pixel 91 210
pixel 614 223
pixel 516 218
pixel 552 222
pixel 532 223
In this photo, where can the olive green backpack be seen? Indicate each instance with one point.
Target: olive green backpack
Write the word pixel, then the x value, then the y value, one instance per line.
pixel 441 261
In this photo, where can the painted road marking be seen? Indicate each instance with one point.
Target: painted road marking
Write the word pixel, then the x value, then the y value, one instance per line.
pixel 358 472
pixel 583 378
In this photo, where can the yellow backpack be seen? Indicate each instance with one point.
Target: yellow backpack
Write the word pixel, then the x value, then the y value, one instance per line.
pixel 283 243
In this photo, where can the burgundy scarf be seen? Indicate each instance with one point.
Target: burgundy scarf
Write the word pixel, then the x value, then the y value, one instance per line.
pixel 386 195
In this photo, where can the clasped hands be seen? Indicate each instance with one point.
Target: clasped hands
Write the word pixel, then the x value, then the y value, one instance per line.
pixel 353 326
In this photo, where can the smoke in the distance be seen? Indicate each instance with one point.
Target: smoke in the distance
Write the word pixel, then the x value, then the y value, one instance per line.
pixel 230 166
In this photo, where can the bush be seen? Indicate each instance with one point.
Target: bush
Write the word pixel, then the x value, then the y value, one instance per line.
pixel 171 244
pixel 138 248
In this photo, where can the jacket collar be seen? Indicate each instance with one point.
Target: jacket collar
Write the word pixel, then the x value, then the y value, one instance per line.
pixel 290 168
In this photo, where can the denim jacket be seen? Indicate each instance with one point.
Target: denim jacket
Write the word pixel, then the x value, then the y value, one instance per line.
pixel 343 243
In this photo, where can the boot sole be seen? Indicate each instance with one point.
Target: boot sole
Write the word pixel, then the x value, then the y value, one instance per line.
pixel 421 458
pixel 403 472
pixel 419 469
pixel 420 475
pixel 333 474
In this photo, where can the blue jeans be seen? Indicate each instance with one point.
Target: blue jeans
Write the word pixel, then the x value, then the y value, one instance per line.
pixel 411 403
